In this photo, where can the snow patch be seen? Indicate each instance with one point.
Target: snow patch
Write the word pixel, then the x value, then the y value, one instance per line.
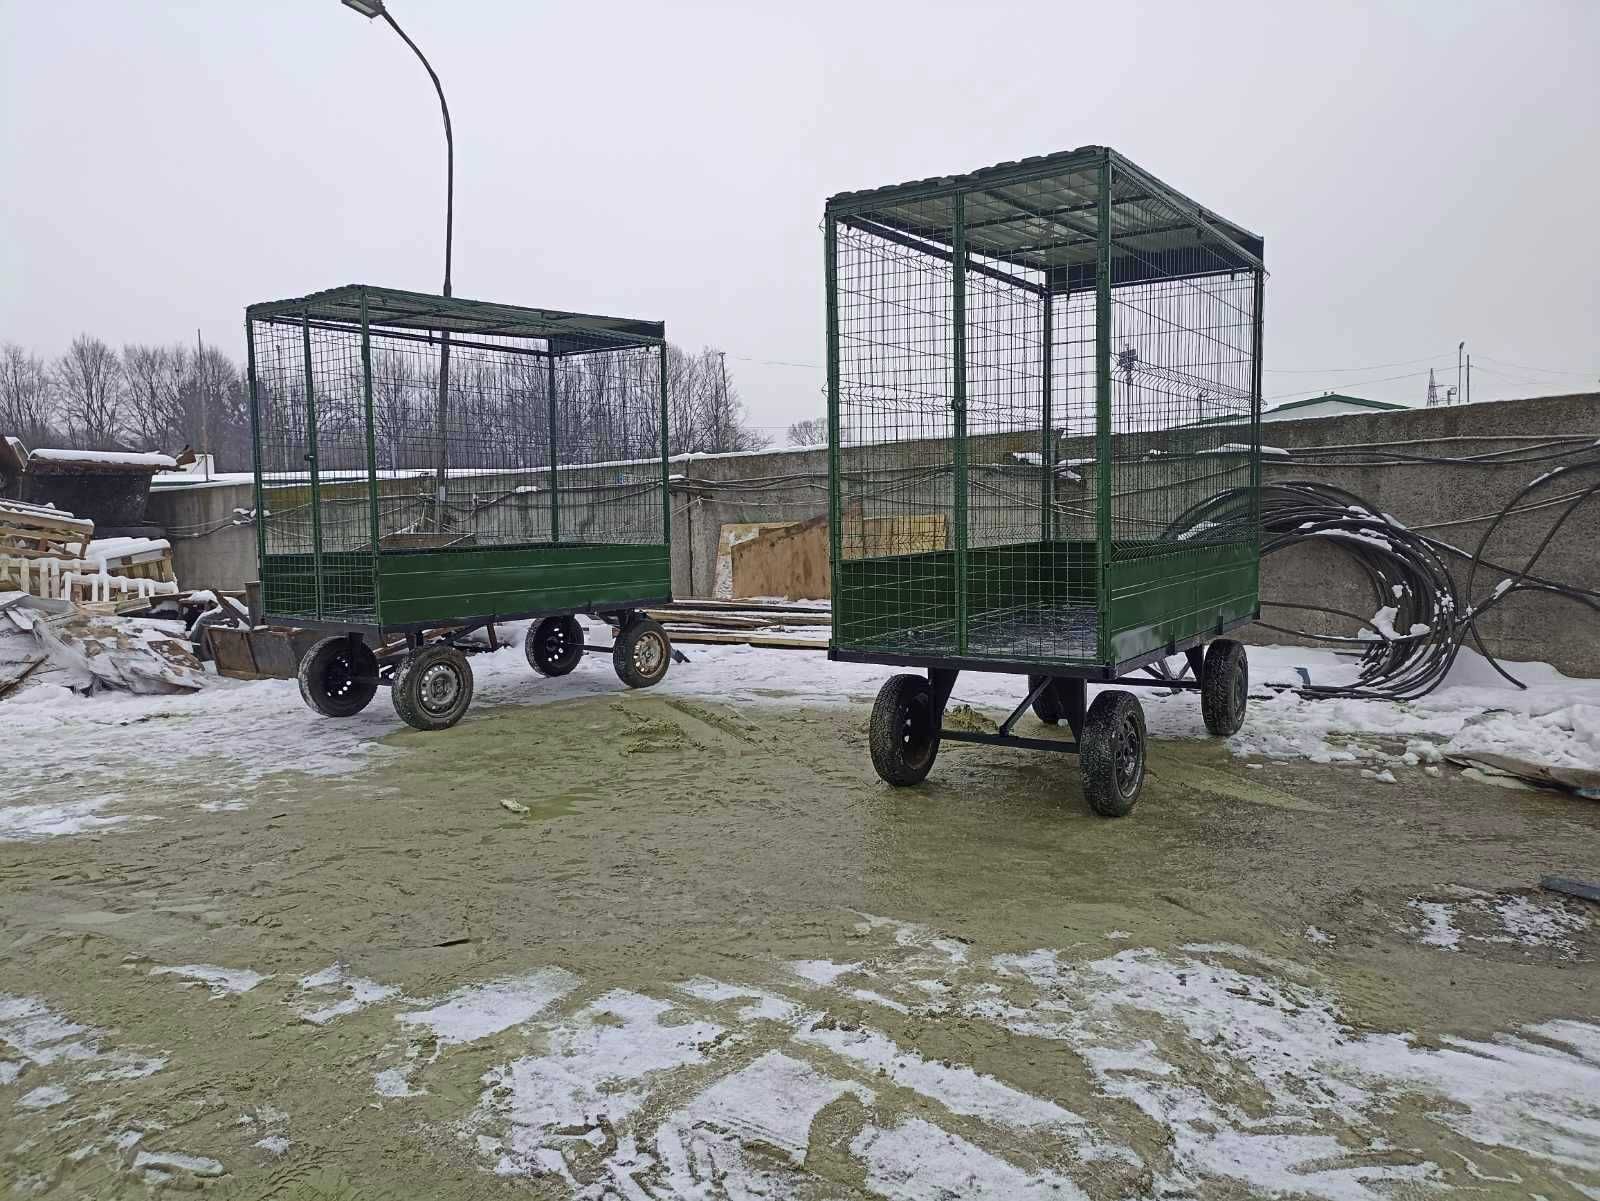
pixel 479 1010
pixel 220 980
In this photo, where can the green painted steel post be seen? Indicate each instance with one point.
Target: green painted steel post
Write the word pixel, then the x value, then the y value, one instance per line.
pixel 375 532
pixel 311 460
pixel 666 465
pixel 1255 410
pixel 1047 452
pixel 830 253
pixel 255 456
pixel 958 405
pixel 1102 404
pixel 555 492
pixel 255 448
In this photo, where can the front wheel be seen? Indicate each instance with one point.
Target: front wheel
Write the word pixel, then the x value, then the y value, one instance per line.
pixel 1111 754
pixel 433 687
pixel 1224 687
pixel 641 653
pixel 904 735
pixel 554 646
pixel 338 676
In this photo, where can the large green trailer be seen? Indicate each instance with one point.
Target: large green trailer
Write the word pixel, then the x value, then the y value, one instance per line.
pixel 1034 371
pixel 427 467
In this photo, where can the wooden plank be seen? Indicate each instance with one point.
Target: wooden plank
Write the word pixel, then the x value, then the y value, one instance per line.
pixel 775 642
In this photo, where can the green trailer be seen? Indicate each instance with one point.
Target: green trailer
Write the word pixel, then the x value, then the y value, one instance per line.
pixel 1034 371
pixel 427 467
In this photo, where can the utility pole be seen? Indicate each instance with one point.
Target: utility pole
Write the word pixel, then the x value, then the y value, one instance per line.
pixel 205 402
pixel 1460 349
pixel 1467 395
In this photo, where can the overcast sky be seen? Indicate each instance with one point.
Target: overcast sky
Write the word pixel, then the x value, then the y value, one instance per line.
pixel 1421 173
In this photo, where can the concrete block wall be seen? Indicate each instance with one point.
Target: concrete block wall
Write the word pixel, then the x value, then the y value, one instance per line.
pixel 1447 501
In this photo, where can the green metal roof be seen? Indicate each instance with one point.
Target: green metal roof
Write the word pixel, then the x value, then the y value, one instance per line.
pixel 390 308
pixel 1040 212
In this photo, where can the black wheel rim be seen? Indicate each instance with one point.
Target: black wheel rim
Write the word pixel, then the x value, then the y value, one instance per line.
pixel 555 644
pixel 1241 690
pixel 439 688
pixel 1128 754
pixel 912 726
pixel 339 678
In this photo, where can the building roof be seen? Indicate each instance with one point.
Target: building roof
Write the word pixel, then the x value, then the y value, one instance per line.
pixel 1355 402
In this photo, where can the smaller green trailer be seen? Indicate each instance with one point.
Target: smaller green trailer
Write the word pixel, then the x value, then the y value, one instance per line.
pixel 427 468
pixel 1034 372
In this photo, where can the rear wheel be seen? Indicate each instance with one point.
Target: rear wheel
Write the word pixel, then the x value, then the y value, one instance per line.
pixel 1111 754
pixel 1224 687
pixel 433 687
pixel 1046 706
pixel 641 653
pixel 339 676
pixel 904 735
pixel 554 646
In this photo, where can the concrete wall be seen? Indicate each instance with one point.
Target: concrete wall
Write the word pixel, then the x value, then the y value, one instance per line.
pixel 1439 499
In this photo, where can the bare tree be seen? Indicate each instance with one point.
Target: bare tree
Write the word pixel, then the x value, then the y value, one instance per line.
pixel 89 376
pixel 811 432
pixel 158 392
pixel 27 397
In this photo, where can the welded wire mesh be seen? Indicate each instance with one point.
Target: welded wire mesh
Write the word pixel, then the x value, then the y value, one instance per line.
pixel 535 442
pixel 1032 372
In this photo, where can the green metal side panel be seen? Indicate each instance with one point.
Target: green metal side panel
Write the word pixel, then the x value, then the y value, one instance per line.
pixel 1160 598
pixel 869 598
pixel 289 586
pixel 446 585
pixel 871 614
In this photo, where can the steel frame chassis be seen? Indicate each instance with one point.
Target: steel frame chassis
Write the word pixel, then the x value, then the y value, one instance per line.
pixel 1071 683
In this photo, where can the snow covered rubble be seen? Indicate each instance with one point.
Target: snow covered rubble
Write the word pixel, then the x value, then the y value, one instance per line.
pixel 1207 1063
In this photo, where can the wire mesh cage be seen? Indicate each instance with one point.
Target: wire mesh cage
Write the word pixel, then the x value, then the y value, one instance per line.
pixel 1034 371
pixel 421 459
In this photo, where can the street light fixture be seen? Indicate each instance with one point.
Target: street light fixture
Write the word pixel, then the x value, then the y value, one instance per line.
pixel 372 9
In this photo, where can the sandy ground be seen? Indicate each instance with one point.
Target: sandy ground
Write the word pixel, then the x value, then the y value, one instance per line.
pixel 717 958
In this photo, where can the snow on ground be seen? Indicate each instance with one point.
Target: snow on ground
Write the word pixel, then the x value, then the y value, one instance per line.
pixel 249 725
pixel 220 980
pixel 1207 1063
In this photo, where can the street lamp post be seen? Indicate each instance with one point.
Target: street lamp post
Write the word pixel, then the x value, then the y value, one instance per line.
pixel 372 9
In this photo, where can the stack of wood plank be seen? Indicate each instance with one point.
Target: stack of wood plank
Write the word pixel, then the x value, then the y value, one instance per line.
pixel 51 553
pixel 775 626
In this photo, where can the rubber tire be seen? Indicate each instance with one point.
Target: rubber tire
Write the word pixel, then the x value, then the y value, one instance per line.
pixel 633 639
pixel 1224 687
pixel 554 646
pixel 900 756
pixel 1046 706
pixel 1110 789
pixel 338 676
pixel 207 620
pixel 413 674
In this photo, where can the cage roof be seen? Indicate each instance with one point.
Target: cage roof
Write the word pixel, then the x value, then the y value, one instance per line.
pixel 423 312
pixel 1041 213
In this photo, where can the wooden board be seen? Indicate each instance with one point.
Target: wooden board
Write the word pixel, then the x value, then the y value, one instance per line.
pixel 790 561
pixel 768 641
